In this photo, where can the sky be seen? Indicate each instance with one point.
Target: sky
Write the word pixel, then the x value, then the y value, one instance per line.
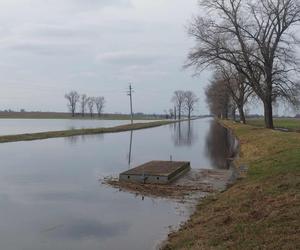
pixel 96 47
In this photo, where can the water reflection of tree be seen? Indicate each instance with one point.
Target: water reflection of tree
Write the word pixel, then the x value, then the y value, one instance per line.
pixel 184 134
pixel 82 138
pixel 220 145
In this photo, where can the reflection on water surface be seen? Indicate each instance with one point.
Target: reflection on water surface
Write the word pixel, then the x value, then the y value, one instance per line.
pixel 50 196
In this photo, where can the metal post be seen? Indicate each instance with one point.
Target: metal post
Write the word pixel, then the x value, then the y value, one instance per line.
pixel 130 95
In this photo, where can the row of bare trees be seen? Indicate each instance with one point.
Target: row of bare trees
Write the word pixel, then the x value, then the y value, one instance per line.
pixel 85 103
pixel 183 101
pixel 228 92
pixel 251 44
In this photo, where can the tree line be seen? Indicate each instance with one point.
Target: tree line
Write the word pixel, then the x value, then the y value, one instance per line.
pixel 184 102
pixel 81 103
pixel 251 47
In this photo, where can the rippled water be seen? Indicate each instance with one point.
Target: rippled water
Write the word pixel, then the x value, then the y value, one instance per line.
pixel 51 197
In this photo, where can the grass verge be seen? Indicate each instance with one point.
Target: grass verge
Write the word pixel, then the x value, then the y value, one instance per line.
pixel 76 132
pixel 292 124
pixel 62 115
pixel 262 210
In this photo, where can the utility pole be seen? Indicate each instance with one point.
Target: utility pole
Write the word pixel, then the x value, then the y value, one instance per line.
pixel 130 95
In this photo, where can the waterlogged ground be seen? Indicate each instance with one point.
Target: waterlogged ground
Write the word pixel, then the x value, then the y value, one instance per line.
pixel 22 126
pixel 51 196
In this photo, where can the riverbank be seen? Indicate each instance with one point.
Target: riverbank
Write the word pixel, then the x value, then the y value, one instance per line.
pixel 77 132
pixel 261 210
pixel 63 115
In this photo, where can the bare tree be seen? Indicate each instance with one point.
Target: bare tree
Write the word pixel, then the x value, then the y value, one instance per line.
pixel 190 101
pixel 90 103
pixel 73 98
pixel 218 98
pixel 83 103
pixel 256 37
pixel 100 103
pixel 237 86
pixel 178 99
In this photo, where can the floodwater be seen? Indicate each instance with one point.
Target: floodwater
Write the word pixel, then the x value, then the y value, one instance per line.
pixel 22 126
pixel 51 196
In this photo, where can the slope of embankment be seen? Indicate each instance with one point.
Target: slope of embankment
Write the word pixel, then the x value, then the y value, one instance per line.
pixel 262 210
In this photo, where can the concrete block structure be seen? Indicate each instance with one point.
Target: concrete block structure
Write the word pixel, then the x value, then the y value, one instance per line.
pixel 156 172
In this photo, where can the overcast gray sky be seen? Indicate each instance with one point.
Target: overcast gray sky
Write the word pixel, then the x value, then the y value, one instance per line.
pixel 49 47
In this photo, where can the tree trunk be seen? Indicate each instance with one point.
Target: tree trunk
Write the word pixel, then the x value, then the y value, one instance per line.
pixel 242 114
pixel 175 113
pixel 268 110
pixel 225 113
pixel 189 115
pixel 233 113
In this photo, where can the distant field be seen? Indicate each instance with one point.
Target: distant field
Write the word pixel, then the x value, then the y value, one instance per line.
pixel 288 123
pixel 57 115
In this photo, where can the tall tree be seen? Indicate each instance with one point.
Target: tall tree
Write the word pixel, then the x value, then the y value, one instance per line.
pixel 178 99
pixel 73 98
pixel 218 98
pixel 90 103
pixel 190 102
pixel 83 103
pixel 257 38
pixel 100 103
pixel 237 86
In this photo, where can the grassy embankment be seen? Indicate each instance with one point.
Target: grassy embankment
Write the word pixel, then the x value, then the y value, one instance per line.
pixel 292 124
pixel 62 115
pixel 262 210
pixel 76 132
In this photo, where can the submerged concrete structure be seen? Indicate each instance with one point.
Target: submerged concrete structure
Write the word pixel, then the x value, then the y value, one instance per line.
pixel 156 172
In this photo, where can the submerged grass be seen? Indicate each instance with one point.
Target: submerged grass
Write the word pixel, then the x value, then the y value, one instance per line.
pixel 262 210
pixel 76 132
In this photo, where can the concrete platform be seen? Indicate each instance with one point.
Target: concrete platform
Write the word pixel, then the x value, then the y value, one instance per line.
pixel 156 172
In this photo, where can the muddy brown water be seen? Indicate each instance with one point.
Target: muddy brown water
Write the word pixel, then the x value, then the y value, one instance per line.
pixel 51 196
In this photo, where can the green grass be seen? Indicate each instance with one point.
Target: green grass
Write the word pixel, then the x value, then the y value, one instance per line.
pixel 77 132
pixel 262 210
pixel 61 115
pixel 292 124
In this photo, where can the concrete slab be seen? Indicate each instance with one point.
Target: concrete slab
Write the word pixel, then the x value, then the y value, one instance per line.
pixel 156 172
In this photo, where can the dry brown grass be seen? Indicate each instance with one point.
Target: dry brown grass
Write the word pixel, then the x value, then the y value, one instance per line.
pixel 262 211
pixel 161 191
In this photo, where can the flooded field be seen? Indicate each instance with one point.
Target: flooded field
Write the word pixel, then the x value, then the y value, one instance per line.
pixel 51 196
pixel 22 126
